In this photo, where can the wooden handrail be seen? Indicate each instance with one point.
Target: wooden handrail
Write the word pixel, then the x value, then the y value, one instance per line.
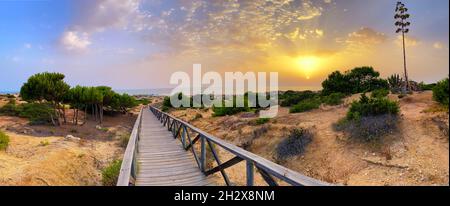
pixel 128 169
pixel 264 166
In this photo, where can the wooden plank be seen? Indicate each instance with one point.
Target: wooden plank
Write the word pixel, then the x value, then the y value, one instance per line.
pixel 162 159
pixel 285 174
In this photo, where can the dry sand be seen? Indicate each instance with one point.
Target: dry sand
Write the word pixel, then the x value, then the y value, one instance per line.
pixel 417 154
pixel 39 155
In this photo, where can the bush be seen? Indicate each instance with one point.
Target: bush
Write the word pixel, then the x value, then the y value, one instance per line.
pixel 111 173
pixel 370 118
pixel 360 79
pixel 290 98
pixel 4 141
pixel 441 92
pixel 294 144
pixel 369 127
pixel 305 105
pixel 37 113
pixel 380 93
pixel 262 121
pixel 165 108
pixel 123 140
pixel 372 107
pixel 426 87
pixel 10 109
pixel 333 99
pixel 223 110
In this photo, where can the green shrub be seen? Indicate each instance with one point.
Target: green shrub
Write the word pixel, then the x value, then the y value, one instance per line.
pixel 294 144
pixel 441 92
pixel 262 121
pixel 380 93
pixel 371 107
pixel 305 105
pixel 4 141
pixel 37 113
pixel 223 110
pixel 111 173
pixel 123 140
pixel 333 99
pixel 165 108
pixel 370 118
pixel 426 87
pixel 10 109
pixel 290 98
pixel 360 79
pixel 369 127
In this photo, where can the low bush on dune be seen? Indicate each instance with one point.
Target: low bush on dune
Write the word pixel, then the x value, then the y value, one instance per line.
pixel 379 93
pixel 441 92
pixel 333 99
pixel 371 107
pixel 305 105
pixel 294 144
pixel 262 121
pixel 10 109
pixel 4 140
pixel 111 173
pixel 290 98
pixel 370 118
pixel 368 128
pixel 38 113
pixel 123 140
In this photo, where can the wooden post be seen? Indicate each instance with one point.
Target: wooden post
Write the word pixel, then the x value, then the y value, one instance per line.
pixel 250 173
pixel 183 136
pixel 202 154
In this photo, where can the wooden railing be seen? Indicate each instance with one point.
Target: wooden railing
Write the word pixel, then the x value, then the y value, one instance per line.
pixel 266 168
pixel 128 170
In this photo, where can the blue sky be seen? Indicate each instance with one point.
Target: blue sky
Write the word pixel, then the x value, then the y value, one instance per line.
pixel 140 43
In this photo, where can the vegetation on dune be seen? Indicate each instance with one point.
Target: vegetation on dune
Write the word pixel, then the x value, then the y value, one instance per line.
pixel 37 113
pixel 290 98
pixel 371 107
pixel 262 121
pixel 4 140
pixel 426 87
pixel 395 83
pixel 441 92
pixel 294 144
pixel 379 93
pixel 49 87
pixel 49 96
pixel 111 173
pixel 370 118
pixel 357 80
pixel 333 99
pixel 305 105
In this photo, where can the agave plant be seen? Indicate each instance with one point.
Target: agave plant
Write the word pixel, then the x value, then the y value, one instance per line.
pixel 395 83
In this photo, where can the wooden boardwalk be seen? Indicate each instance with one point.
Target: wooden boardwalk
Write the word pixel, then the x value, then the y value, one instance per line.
pixel 161 159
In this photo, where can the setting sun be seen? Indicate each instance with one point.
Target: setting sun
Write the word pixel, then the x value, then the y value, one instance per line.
pixel 308 64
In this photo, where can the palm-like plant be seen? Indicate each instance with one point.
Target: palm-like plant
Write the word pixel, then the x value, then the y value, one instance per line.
pixel 402 24
pixel 395 83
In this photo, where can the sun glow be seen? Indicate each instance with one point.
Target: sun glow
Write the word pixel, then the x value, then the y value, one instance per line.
pixel 308 65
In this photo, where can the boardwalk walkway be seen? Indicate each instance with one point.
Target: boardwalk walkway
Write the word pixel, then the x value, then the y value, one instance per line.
pixel 161 159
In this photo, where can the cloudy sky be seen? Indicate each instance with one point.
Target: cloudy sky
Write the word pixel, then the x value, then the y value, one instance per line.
pixel 130 44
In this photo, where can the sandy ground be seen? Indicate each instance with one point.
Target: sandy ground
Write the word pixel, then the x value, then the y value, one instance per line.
pixel 418 154
pixel 39 155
